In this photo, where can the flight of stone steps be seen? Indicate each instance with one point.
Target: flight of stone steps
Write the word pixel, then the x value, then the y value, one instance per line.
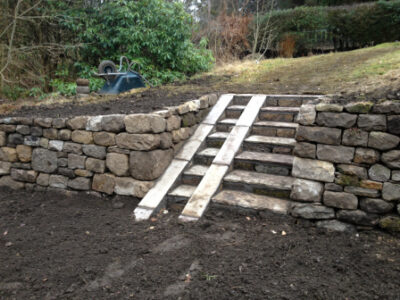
pixel 240 155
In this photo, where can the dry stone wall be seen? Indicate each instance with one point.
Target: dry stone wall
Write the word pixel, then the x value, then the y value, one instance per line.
pixel 121 154
pixel 347 164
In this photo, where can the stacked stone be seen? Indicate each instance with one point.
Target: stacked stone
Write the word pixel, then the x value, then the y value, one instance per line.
pixel 121 154
pixel 351 154
pixel 82 87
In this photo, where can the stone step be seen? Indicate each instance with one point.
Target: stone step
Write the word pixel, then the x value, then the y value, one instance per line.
pixel 251 201
pixel 181 193
pixel 241 99
pixel 278 113
pixel 216 139
pixel 273 128
pixel 259 183
pixel 234 111
pixel 270 163
pixel 206 156
pixel 226 125
pixel 290 100
pixel 194 174
pixel 273 144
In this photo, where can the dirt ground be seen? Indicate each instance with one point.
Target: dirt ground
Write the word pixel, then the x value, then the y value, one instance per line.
pixel 79 246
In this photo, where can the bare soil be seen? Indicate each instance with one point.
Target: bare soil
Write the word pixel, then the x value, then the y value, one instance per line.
pixel 77 246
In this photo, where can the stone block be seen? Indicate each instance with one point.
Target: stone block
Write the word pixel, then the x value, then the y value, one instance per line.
pixel 376 206
pixel 312 211
pixel 355 137
pixel 50 133
pixel 130 187
pixel 353 170
pixel 77 123
pixel 188 120
pixel 43 122
pixel 306 190
pixel 56 145
pixel 166 140
pixel 382 140
pixel 72 148
pixel 7 128
pixel 392 159
pixel 104 183
pixel 335 225
pixel 104 138
pixel 144 123
pixel 149 165
pixel 344 180
pixel 33 141
pixel 333 187
pixel 80 184
pixel 360 191
pixel 66 172
pixel 396 175
pixel 173 123
pixel 366 156
pixel 36 131
pixel 329 107
pixel 83 173
pixel 64 134
pixel 340 200
pixel 372 122
pixel 59 123
pixel 23 129
pixel 94 151
pixel 390 223
pixel 386 107
pixel 313 169
pixel 24 175
pixel 394 124
pixel 357 217
pixel 336 154
pixel 323 135
pixel 370 184
pixel 391 191
pixel 94 123
pixel 379 172
pixel 58 181
pixel 5 168
pixel 3 138
pixel 118 164
pixel 307 114
pixel 330 119
pixel 359 107
pixel 7 181
pixel 82 137
pixel 138 141
pixel 76 161
pixel 113 123
pixel 8 154
pixel 95 165
pixel 15 139
pixel 24 153
pixel 44 143
pixel 43 179
pixel 115 149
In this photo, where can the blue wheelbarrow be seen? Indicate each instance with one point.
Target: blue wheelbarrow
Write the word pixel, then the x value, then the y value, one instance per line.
pixel 118 81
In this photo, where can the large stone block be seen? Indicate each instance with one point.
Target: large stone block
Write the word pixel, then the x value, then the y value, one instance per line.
pixel 43 122
pixel 329 107
pixel 312 211
pixel 104 138
pixel 130 187
pixel 64 134
pixel 376 206
pixel 149 165
pixel 23 129
pixel 144 123
pixel 80 183
pixel 24 175
pixel 118 164
pixel 113 123
pixel 56 145
pixel 396 175
pixel 188 120
pixel 305 150
pixel 357 217
pixel 94 151
pixel 59 123
pixel 104 183
pixel 43 179
pixel 166 140
pixel 50 133
pixel 95 165
pixel 392 159
pixel 360 191
pixel 394 124
pixel 3 138
pixel 7 181
pixel 138 141
pixel 173 123
pixel 15 139
pixel 7 128
pixel 66 172
pixel 323 135
pixel 77 123
pixel 390 223
pixel 94 123
pixel 44 160
pixel 372 122
pixel 8 154
pixel 307 114
pixel 33 141
pixel 306 190
pixel 36 131
pixel 24 153
pixel 379 172
pixel 82 137
pixel 335 225
pixel 313 169
pixel 72 148
pixel 359 107
pixel 391 191
pixel 382 140
pixel 355 137
pixel 180 134
pixel 76 161
pixel 58 181
pixel 340 200
pixel 387 107
pixel 366 156
pixel 5 168
pixel 330 119
pixel 336 154
pixel 353 170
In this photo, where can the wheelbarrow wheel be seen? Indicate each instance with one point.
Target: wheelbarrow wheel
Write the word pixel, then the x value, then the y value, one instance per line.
pixel 107 66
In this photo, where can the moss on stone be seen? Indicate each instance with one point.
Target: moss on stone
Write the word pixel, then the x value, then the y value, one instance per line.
pixel 391 223
pixel 347 180
pixel 359 107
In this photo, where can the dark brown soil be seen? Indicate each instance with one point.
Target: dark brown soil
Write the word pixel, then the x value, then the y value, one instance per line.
pixel 55 246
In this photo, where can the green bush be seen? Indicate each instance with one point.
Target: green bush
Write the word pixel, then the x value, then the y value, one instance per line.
pixel 343 27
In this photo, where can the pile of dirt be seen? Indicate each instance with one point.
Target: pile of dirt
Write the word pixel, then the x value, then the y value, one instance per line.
pixel 78 246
